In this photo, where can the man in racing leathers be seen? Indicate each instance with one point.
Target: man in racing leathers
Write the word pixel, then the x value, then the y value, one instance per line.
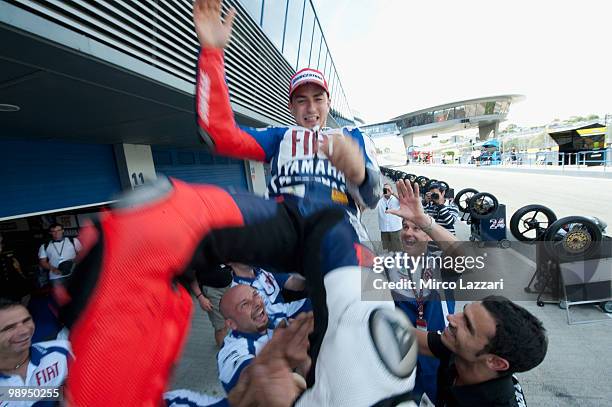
pixel 315 167
pixel 311 168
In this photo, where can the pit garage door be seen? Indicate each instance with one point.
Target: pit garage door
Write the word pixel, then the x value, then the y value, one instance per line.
pixel 201 167
pixel 49 176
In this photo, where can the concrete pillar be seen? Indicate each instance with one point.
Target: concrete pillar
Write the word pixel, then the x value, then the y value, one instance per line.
pixel 485 130
pixel 408 140
pixel 134 164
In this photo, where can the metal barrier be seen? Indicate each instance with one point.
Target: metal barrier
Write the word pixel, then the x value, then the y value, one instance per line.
pixel 600 160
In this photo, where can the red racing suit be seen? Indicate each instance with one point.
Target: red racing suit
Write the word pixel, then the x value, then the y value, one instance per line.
pixel 128 316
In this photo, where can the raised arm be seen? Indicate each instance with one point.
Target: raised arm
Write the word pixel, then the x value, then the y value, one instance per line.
pixel 215 119
pixel 412 209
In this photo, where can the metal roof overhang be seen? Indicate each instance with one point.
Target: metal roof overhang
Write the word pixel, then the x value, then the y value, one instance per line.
pixel 507 98
pixel 451 125
pixel 564 135
pixel 74 96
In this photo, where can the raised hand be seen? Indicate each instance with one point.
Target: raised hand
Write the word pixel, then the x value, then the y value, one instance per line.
pixel 212 33
pixel 293 340
pixel 269 384
pixel 410 203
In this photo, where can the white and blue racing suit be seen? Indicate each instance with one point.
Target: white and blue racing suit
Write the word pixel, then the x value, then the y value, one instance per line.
pixel 298 168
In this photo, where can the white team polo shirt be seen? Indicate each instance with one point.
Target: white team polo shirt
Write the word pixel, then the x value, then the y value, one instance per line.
pixel 48 367
pixel 386 221
pixel 58 252
pixel 239 349
pixel 270 290
pixel 264 282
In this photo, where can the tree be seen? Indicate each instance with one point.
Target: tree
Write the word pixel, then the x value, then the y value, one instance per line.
pixel 537 141
pixel 576 119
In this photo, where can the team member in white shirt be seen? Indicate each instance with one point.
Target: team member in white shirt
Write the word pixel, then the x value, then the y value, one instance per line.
pixel 269 287
pixel 43 365
pixel 390 225
pixel 251 329
pixel 58 250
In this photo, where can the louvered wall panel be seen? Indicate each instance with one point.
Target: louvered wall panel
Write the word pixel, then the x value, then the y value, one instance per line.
pixel 161 33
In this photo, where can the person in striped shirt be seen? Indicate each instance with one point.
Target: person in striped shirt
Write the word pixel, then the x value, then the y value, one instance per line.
pixel 443 213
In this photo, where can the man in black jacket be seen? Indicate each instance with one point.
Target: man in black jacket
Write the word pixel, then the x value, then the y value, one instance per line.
pixel 481 349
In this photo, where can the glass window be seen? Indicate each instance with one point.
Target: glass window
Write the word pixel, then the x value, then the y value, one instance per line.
pixel 505 107
pixel 440 115
pixel 470 110
pixel 381 129
pixel 459 112
pixel 253 7
pixel 424 118
pixel 274 21
pixel 480 109
pixel 489 107
pixel 306 37
pixel 449 114
pixel 316 48
pixel 292 32
pixel 501 107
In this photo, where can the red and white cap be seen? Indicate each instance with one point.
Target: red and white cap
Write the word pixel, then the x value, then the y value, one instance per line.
pixel 307 75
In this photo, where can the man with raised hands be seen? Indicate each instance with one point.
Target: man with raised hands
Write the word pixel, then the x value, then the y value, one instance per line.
pixel 309 165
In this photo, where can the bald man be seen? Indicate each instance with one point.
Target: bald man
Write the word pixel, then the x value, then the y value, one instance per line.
pixel 251 328
pixel 270 286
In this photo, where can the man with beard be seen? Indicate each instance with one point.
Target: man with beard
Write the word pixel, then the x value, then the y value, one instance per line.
pixel 481 349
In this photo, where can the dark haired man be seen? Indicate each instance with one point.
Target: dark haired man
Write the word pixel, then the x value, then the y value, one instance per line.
pixel 58 250
pixel 435 206
pixel 40 365
pixel 390 225
pixel 311 166
pixel 480 350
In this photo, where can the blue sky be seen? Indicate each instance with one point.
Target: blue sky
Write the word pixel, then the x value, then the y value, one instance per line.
pixel 396 56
